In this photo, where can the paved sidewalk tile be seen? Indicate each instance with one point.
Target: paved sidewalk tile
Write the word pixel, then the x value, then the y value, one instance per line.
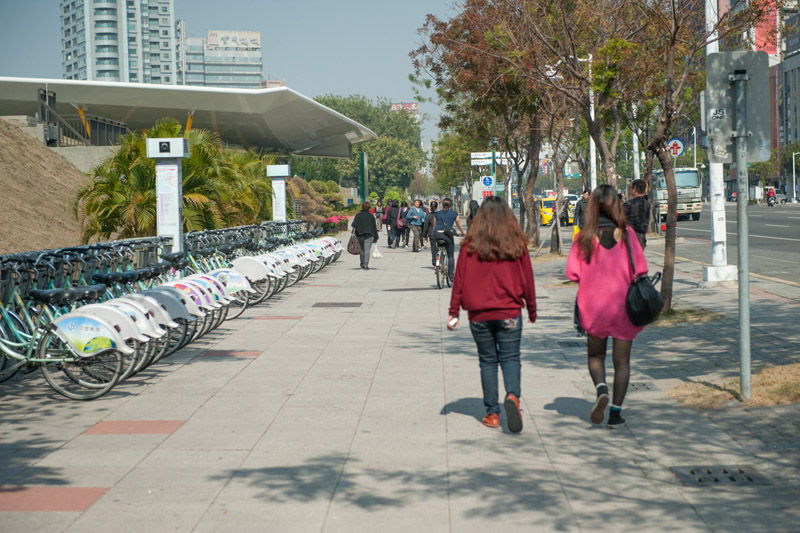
pixel 300 417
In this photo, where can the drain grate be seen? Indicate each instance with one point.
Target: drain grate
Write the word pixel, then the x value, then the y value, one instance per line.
pixel 337 304
pixel 643 386
pixel 718 475
pixel 572 344
pixel 409 289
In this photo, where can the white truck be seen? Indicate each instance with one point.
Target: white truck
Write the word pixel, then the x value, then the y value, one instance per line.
pixel 688 181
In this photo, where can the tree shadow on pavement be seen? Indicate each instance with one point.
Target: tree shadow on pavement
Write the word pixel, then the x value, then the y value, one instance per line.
pixel 465 406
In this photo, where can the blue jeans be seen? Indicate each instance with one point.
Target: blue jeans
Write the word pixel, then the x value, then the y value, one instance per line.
pixel 498 342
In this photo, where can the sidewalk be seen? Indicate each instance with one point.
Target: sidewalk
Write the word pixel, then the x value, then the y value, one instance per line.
pixel 367 418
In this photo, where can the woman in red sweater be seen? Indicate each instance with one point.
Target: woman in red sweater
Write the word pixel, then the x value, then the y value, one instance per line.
pixel 599 262
pixel 493 281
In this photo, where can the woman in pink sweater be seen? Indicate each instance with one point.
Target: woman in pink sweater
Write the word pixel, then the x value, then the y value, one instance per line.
pixel 493 281
pixel 599 262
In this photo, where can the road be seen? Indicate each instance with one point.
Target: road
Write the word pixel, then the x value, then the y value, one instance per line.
pixel 774 239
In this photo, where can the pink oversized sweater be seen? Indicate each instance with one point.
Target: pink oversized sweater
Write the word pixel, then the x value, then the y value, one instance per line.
pixel 602 287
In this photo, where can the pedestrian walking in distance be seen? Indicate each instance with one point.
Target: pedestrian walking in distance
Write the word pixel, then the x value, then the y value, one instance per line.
pixel 366 233
pixel 493 282
pixel 637 211
pixel 599 262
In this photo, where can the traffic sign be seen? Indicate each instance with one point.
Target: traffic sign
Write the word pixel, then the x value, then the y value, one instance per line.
pixel 487 181
pixel 720 105
pixel 675 147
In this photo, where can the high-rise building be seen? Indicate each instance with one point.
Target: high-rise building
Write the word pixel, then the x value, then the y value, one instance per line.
pixel 118 40
pixel 221 59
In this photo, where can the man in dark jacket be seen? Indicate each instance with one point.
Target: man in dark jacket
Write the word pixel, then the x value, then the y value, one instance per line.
pixel 637 211
pixel 366 232
pixel 579 217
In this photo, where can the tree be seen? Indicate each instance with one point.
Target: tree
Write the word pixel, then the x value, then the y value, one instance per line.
pixel 220 187
pixel 671 68
pixel 420 186
pixel 479 92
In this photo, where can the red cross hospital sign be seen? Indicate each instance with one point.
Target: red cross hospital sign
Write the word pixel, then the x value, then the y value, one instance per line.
pixel 675 147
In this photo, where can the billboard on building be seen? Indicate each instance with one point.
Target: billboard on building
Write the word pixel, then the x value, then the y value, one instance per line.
pixel 766 32
pixel 234 39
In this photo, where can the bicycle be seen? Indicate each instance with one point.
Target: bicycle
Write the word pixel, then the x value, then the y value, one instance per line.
pixel 442 266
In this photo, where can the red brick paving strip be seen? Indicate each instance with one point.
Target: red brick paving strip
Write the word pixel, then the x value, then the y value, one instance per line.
pixel 229 353
pixel 49 498
pixel 135 427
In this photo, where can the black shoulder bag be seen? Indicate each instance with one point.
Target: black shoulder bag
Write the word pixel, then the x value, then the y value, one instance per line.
pixel 643 302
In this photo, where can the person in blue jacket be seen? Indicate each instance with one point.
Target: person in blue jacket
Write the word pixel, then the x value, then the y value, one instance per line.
pixel 416 218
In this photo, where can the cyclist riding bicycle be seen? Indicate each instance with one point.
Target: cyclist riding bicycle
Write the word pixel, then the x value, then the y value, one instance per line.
pixel 444 226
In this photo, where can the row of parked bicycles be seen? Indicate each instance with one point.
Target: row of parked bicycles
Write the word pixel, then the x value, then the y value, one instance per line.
pixel 92 316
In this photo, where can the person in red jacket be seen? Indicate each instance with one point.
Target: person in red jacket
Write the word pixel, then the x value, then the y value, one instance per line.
pixel 493 281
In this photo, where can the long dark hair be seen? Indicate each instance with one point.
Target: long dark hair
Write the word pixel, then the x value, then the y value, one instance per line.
pixel 495 233
pixel 604 201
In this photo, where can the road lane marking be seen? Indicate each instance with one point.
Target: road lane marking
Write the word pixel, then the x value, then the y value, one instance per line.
pixel 751 235
pixel 776 225
pixel 752 274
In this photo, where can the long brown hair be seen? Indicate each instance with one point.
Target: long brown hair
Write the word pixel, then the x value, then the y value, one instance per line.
pixel 606 202
pixel 495 233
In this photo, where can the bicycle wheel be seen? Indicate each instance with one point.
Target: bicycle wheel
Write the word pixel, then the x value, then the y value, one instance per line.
pixel 441 269
pixel 8 365
pixel 76 377
pixel 262 288
pixel 177 337
pixel 240 302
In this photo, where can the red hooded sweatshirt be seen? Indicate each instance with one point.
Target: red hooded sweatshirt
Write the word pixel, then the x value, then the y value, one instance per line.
pixel 493 290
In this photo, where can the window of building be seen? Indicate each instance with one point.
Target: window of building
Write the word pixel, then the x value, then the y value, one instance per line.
pixel 166 79
pixel 103 49
pixel 134 75
pixel 107 24
pixel 164 21
pixel 165 55
pixel 165 33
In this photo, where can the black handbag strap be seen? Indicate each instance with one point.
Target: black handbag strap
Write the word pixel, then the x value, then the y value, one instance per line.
pixel 630 256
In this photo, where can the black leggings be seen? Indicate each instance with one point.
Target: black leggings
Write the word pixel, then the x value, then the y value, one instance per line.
pixel 621 356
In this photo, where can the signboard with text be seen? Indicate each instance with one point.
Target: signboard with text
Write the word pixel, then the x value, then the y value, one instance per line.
pixel 234 39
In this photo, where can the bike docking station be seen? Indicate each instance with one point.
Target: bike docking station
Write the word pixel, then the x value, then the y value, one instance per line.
pixel 737 119
pixel 168 153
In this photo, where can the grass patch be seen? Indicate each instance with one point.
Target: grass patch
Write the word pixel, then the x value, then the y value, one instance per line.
pixel 674 317
pixel 773 385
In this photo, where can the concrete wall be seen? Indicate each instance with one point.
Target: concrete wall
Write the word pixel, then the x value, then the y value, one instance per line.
pixel 85 157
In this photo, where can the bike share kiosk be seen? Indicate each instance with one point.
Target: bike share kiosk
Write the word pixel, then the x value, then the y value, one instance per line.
pixel 169 187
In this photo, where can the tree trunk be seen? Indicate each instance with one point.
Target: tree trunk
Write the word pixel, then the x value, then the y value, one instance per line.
pixel 648 179
pixel 556 246
pixel 668 275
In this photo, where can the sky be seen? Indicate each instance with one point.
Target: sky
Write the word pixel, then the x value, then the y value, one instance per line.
pixel 317 47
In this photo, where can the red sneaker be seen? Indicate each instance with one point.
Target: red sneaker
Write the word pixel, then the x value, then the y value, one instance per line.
pixel 491 421
pixel 513 415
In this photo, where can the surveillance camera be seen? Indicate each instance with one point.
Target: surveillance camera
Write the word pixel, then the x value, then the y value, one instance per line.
pixel 163 147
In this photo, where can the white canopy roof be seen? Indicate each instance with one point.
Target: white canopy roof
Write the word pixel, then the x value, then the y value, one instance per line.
pixel 277 118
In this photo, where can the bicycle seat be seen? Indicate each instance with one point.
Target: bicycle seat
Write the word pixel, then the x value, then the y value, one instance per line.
pixel 183 263
pixel 48 296
pixel 226 249
pixel 108 279
pixel 94 292
pixel 130 276
pixel 173 257
pixel 163 268
pixel 204 252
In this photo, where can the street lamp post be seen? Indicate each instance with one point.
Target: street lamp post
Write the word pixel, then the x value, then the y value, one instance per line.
pixel 694 141
pixel 794 193
pixel 592 148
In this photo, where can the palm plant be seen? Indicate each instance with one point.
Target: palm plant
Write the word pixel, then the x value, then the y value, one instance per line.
pixel 221 187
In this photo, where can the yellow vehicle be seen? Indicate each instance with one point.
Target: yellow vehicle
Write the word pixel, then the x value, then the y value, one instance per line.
pixel 546 210
pixel 546 206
